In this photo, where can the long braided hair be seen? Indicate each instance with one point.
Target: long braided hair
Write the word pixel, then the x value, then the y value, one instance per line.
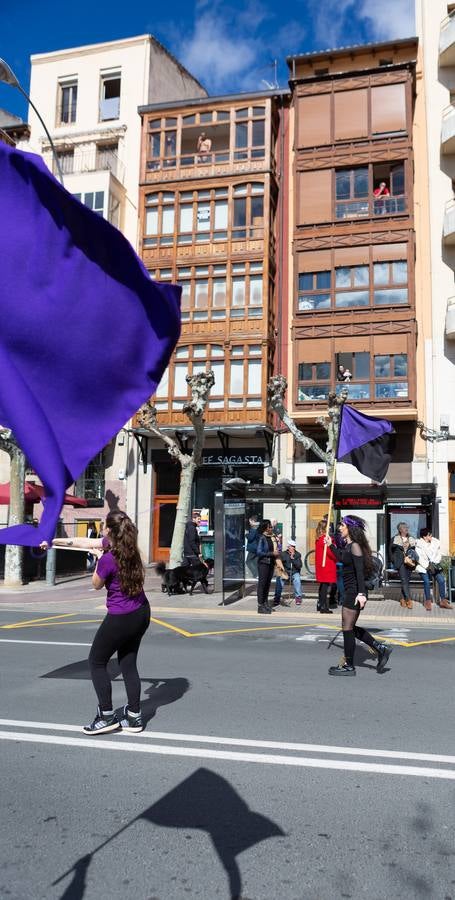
pixel 123 537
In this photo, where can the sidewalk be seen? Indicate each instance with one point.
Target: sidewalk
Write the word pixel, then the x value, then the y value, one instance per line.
pixel 77 595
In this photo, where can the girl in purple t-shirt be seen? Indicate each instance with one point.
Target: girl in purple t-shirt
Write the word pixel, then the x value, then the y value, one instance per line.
pixel 120 570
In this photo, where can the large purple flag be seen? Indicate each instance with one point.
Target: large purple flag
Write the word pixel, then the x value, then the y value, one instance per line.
pixel 85 334
pixel 365 442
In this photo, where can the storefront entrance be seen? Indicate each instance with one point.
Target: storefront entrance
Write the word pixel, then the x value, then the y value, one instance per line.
pixel 165 508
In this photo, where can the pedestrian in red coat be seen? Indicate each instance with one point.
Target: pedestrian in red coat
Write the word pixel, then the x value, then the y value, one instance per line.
pixel 326 575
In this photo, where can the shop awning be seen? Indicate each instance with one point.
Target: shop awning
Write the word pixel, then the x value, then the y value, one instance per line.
pixel 34 493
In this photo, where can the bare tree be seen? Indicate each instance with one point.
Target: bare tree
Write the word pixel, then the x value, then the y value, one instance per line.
pixel 14 555
pixel 276 390
pixel 201 385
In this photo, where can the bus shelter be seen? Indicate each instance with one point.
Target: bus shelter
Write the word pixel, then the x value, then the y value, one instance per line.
pixel 391 503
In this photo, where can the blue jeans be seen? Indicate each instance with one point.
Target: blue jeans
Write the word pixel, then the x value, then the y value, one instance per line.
pixel 296 584
pixel 427 585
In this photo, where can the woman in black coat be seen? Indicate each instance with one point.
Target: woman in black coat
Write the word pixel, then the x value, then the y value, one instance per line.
pixel 266 556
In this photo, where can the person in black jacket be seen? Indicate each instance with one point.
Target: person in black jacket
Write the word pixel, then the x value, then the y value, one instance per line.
pixel 267 555
pixel 191 541
pixel 292 564
pixel 357 562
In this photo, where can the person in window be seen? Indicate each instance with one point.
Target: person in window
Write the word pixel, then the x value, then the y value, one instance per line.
pixel 347 375
pixel 340 373
pixel 204 146
pixel 380 203
pixel 430 569
pixel 357 560
pixel 404 559
pixel 267 554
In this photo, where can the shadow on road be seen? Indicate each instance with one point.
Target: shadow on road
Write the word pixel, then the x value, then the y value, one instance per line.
pixel 160 691
pixel 204 801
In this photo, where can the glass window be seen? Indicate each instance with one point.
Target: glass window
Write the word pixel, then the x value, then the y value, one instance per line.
pixel 180 385
pixel 203 217
pixel 68 103
pixel 221 215
pixel 182 353
pixel 400 365
pixel 236 381
pixel 254 377
pixel 219 292
pixel 382 367
pixel 313 392
pixel 186 217
pixel 218 371
pixel 391 390
pixel 201 294
pixel 306 282
pixel 342 185
pixel 323 281
pixel 241 136
pixel 305 372
pixel 393 296
pixel 254 350
pixel 342 277
pixel 322 371
pixel 237 350
pixel 163 387
pixel 361 276
pixel 352 298
pixel 381 272
pixel 239 212
pixel 110 97
pixel 168 220
pixel 241 113
pixel 186 295
pixel 238 292
pixel 256 290
pixel 217 350
pixel 361 365
pixel 400 272
pixel 151 221
pixel 258 138
pixel 360 182
pixel 199 351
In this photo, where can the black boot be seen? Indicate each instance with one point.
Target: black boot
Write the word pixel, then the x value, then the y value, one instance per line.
pixel 264 610
pixel 383 652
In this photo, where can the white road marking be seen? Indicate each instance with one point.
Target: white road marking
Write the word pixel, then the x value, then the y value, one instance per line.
pixel 247 742
pixel 216 755
pixel 45 643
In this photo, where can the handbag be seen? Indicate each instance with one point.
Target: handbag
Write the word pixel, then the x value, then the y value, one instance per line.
pixel 411 558
pixel 434 568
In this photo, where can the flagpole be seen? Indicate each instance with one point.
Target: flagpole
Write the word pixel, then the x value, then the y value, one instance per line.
pixel 329 514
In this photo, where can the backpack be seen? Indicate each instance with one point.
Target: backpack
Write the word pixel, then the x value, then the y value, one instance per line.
pixel 374 579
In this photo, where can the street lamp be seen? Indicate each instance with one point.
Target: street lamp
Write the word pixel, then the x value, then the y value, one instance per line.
pixel 8 77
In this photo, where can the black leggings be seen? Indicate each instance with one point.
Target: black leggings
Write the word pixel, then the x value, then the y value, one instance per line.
pixel 324 587
pixel 351 631
pixel 123 634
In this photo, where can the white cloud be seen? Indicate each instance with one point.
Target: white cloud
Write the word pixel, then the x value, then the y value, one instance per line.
pixel 336 22
pixel 390 18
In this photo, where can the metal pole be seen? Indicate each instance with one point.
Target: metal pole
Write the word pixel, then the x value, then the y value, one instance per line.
pixel 51 564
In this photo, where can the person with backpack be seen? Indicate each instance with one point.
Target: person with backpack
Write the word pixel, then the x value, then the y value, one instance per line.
pixel 252 539
pixel 358 566
pixel 404 560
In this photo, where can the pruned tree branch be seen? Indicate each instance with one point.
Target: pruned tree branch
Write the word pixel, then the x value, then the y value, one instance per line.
pixel 276 390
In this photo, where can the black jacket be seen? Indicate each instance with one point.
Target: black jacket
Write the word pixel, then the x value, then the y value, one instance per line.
pixel 292 564
pixel 191 540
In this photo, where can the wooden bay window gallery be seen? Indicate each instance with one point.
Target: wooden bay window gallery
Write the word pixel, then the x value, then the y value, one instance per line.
pixel 343 278
pixel 218 291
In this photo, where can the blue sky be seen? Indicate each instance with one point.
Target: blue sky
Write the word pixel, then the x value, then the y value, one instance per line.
pixel 230 45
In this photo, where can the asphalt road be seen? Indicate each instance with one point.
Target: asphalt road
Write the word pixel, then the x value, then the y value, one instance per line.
pixel 257 776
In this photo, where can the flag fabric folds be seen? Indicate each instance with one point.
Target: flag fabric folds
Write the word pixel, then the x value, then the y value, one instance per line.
pixel 365 442
pixel 85 334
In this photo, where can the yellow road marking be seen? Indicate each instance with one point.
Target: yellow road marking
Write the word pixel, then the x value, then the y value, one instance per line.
pixel 432 641
pixel 243 630
pixel 49 624
pixel 172 627
pixel 41 619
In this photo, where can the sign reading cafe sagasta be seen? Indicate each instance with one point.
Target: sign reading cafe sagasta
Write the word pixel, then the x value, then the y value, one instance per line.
pixel 233 459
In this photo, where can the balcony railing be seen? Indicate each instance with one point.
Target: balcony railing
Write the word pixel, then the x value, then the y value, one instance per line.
pixel 447 41
pixel 92 160
pixel 204 165
pixel 357 390
pixel 448 130
pixel 365 208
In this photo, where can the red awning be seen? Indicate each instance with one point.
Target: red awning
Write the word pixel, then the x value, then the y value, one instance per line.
pixel 34 493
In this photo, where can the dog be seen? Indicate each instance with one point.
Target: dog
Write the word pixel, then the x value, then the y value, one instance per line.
pixel 182 578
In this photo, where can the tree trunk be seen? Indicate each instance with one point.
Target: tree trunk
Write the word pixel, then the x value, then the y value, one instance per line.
pixel 183 511
pixel 14 555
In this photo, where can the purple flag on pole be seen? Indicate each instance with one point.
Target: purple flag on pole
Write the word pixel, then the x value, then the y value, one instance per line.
pixel 85 334
pixel 365 442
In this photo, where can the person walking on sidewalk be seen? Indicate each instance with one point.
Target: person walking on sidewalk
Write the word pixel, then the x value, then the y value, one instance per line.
pixel 357 562
pixel 404 558
pixel 326 574
pixel 430 569
pixel 267 554
pixel 121 571
pixel 252 539
pixel 291 561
